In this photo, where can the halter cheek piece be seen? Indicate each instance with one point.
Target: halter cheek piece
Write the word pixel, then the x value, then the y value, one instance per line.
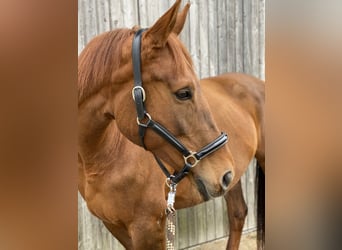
pixel 144 120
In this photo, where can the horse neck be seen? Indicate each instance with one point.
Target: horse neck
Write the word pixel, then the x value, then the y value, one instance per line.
pixel 98 135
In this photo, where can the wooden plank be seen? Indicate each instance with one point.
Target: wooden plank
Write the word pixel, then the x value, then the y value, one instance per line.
pixel 231 36
pixel 248 188
pixel 244 190
pixel 250 195
pixel 203 39
pixel 102 13
pixel 110 19
pixel 261 41
pixel 192 226
pixel 116 15
pixel 152 12
pixel 239 37
pixel 164 5
pixel 220 229
pixel 90 29
pixel 194 36
pixel 129 11
pixel 212 38
pixel 142 14
pixel 225 222
pixel 200 214
pixel 247 37
pixel 185 34
pixel 182 228
pixel 222 40
pixel 254 26
pixel 210 211
pixel 81 26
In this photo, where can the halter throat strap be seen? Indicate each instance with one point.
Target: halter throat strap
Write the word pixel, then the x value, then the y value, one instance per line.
pixel 144 120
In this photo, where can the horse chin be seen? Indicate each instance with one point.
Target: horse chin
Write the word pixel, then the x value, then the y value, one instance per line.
pixel 205 192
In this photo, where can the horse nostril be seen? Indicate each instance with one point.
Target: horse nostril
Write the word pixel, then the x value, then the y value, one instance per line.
pixel 226 179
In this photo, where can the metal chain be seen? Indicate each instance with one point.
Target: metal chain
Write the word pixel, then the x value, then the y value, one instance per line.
pixel 171 231
pixel 171 218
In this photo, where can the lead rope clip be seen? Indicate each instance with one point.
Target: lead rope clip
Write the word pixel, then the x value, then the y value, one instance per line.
pixel 171 198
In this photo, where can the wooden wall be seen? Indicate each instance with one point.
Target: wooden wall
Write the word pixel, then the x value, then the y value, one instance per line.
pixel 222 36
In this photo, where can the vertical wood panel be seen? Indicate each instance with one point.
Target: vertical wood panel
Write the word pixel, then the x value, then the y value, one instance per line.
pixel 192 226
pixel 129 13
pixel 231 36
pixel 102 15
pixel 212 38
pixel 247 36
pixel 200 215
pixel 82 39
pixel 221 36
pixel 222 39
pixel 203 38
pixel 254 30
pixel 250 195
pixel 185 34
pixel 194 48
pixel 182 226
pixel 210 210
pixel 261 41
pixel 239 36
pixel 218 217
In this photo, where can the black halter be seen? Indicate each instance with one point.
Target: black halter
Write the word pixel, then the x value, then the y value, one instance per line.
pixel 145 120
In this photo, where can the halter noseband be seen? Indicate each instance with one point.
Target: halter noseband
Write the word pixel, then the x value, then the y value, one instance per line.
pixel 145 120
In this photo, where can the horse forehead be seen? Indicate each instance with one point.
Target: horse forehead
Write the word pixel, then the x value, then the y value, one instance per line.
pixel 175 79
pixel 184 80
pixel 172 71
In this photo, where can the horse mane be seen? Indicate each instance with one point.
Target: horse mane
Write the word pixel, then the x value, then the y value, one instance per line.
pixel 102 57
pixel 99 59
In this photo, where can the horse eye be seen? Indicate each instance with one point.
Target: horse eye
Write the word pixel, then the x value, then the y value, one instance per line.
pixel 183 94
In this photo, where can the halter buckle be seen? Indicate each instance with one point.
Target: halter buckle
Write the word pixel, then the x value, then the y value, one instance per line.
pixel 191 159
pixel 142 90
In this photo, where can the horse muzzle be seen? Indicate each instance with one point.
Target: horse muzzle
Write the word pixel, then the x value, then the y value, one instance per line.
pixel 208 191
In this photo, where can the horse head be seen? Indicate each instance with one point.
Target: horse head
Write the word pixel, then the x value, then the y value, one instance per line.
pixel 172 97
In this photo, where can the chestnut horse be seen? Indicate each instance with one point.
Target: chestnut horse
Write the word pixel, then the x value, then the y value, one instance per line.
pixel 119 178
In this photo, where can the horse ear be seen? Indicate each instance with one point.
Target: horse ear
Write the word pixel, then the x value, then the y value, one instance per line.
pixel 181 18
pixel 161 30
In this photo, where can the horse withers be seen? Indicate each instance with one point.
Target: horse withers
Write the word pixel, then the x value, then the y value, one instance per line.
pixel 171 115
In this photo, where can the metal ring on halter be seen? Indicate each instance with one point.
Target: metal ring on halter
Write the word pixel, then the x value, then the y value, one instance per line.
pixel 191 159
pixel 168 181
pixel 142 90
pixel 144 124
